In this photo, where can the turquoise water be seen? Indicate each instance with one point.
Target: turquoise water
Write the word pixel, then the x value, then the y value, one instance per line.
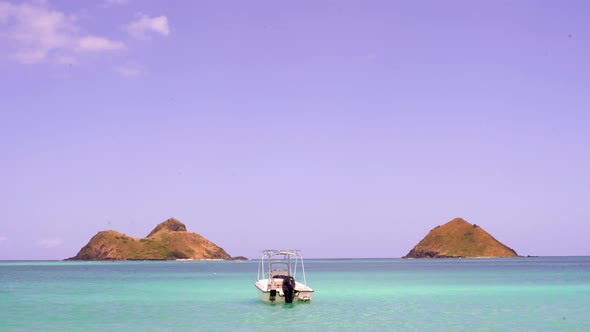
pixel 520 294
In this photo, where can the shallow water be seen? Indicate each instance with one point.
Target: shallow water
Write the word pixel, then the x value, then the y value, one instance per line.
pixel 531 294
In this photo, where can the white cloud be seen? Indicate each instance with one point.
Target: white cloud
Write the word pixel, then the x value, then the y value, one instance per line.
pixel 40 34
pixel 30 55
pixel 3 238
pixel 96 44
pixel 144 24
pixel 130 69
pixel 50 243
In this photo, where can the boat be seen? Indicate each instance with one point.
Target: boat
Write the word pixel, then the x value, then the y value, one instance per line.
pixel 278 280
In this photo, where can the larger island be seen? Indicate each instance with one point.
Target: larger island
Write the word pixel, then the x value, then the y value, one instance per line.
pixel 168 241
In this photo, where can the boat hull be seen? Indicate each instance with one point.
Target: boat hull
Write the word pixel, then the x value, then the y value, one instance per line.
pixel 302 293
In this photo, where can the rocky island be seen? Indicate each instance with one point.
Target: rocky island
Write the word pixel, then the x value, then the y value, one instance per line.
pixel 457 239
pixel 168 241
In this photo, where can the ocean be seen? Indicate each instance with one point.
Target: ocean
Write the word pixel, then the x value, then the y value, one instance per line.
pixel 510 294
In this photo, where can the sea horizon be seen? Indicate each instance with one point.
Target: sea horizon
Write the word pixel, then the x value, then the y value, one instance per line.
pixel 257 258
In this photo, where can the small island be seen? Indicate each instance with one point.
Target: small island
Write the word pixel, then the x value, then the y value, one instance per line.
pixel 168 241
pixel 459 239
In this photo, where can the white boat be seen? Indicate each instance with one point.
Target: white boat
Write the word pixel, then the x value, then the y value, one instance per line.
pixel 278 280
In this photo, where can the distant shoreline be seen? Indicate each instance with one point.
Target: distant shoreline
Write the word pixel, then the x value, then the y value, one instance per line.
pixel 204 259
pixel 307 259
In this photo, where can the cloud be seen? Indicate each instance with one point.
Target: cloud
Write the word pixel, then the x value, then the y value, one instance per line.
pixel 50 243
pixel 2 238
pixel 144 24
pixel 41 34
pixel 97 44
pixel 130 69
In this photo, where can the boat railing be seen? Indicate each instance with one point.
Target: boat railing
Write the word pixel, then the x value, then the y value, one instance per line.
pixel 303 272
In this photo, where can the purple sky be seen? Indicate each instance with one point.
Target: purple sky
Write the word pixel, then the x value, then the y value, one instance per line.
pixel 342 128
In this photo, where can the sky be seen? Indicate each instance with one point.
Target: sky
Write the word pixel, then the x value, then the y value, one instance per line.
pixel 346 129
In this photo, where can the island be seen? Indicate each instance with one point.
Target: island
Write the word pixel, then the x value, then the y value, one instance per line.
pixel 459 239
pixel 168 241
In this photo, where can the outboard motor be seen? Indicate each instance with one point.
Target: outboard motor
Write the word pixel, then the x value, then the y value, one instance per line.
pixel 289 288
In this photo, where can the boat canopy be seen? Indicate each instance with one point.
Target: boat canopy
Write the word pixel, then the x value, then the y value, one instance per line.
pixel 283 262
pixel 274 252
